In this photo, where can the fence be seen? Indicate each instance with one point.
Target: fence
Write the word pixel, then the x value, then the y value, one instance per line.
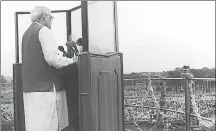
pixel 170 103
pixel 7 107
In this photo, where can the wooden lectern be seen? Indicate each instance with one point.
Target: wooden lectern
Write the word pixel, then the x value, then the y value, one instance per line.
pixel 95 92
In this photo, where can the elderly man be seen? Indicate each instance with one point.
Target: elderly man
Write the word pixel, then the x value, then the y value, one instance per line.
pixel 44 98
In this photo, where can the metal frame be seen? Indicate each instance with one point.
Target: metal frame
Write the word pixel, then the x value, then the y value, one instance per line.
pixel 85 32
pixel 122 81
pixel 85 29
pixel 16 38
pixel 210 79
pixel 187 104
pixel 19 115
pixel 75 8
pixel 69 14
pixel 68 23
pixel 116 27
pixel 53 11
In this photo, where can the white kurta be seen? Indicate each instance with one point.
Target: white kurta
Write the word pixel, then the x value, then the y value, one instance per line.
pixel 47 111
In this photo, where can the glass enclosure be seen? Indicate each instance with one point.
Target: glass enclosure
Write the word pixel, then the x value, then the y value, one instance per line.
pixel 98 22
pixel 76 24
pixel 59 28
pixel 101 27
pixel 24 21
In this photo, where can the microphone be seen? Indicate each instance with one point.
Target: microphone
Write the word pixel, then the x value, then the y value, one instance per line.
pixel 75 46
pixel 72 45
pixel 61 48
pixel 79 42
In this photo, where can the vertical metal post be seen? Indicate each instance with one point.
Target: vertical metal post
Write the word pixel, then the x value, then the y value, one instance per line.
pixel 19 115
pixel 122 93
pixel 0 83
pixel 68 27
pixel 17 61
pixel 85 36
pixel 202 87
pixel 116 27
pixel 68 23
pixel 162 93
pixel 14 100
pixel 16 38
pixel 185 76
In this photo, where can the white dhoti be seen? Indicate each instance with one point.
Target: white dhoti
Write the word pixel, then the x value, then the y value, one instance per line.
pixel 45 111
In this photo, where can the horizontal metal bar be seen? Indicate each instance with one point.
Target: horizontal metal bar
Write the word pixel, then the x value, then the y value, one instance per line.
pixel 106 54
pixel 155 108
pixel 138 97
pixel 53 11
pixel 23 12
pixel 167 110
pixel 75 8
pixel 59 11
pixel 153 79
pixel 131 79
pixel 143 97
pixel 213 79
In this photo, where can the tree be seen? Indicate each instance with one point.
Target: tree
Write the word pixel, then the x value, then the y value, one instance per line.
pixel 3 79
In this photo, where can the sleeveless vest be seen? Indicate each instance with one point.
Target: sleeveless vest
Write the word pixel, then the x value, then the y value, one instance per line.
pixel 38 76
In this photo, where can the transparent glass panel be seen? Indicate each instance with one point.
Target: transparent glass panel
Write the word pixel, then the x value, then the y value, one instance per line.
pixel 58 29
pixel 24 21
pixel 76 24
pixel 101 27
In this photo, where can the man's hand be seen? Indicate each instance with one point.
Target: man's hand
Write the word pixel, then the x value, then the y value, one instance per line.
pixel 70 44
pixel 75 59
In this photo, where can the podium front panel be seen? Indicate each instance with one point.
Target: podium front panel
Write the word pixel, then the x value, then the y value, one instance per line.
pixel 101 96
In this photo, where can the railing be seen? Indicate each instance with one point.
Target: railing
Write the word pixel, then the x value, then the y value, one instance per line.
pixel 149 103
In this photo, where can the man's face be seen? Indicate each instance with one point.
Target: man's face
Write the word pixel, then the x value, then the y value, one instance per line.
pixel 48 20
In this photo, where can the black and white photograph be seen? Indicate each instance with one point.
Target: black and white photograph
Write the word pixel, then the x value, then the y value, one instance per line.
pixel 107 66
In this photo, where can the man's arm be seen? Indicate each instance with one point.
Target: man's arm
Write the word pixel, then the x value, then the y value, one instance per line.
pixel 50 50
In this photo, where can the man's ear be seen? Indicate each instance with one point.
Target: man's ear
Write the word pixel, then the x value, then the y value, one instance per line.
pixel 43 18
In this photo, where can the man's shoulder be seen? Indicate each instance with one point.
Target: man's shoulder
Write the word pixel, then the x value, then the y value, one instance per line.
pixel 41 27
pixel 36 25
pixel 44 28
pixel 45 31
pixel 32 28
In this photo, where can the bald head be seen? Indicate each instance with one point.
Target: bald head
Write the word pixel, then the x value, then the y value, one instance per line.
pixel 41 15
